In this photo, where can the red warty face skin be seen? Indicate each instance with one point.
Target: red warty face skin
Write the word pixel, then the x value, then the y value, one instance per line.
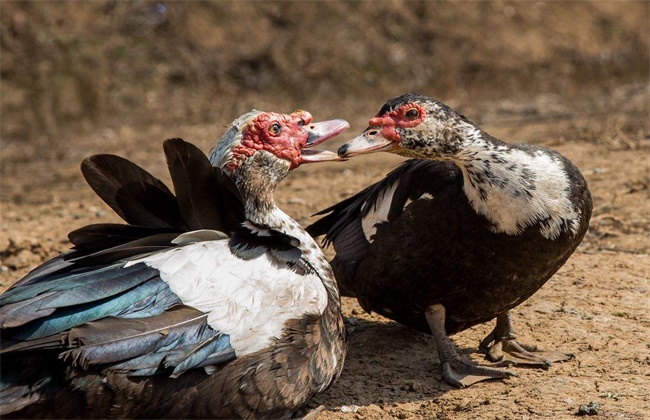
pixel 279 134
pixel 397 118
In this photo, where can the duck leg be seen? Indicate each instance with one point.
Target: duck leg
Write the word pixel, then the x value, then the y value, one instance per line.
pixel 456 371
pixel 506 350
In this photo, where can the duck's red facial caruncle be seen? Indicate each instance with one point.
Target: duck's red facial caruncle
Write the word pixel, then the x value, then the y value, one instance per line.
pixel 382 133
pixel 287 136
pixel 406 116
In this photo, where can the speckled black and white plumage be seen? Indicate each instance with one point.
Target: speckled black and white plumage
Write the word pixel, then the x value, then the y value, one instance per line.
pixel 473 224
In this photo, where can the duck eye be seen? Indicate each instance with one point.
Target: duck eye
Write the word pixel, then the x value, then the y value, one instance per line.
pixel 412 114
pixel 275 129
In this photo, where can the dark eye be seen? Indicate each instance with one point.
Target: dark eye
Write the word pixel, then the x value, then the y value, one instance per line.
pixel 275 129
pixel 412 113
pixel 301 122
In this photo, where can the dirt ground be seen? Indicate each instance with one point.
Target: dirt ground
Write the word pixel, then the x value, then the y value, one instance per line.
pixel 596 306
pixel 80 78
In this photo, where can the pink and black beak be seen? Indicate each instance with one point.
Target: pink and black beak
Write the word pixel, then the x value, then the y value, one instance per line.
pixel 319 133
pixel 373 139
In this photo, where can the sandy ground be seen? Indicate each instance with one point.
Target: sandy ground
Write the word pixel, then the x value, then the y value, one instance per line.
pixel 597 306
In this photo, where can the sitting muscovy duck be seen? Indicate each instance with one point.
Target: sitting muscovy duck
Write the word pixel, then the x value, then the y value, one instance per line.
pixel 212 303
pixel 460 235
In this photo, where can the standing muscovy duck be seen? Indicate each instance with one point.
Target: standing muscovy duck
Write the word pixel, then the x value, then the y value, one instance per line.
pixel 466 231
pixel 211 303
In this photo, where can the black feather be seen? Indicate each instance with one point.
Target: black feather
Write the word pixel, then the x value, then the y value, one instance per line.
pixel 231 205
pixel 43 271
pixel 140 246
pixel 252 240
pixel 56 341
pixel 127 188
pixel 106 235
pixel 134 194
pixel 356 207
pixel 195 185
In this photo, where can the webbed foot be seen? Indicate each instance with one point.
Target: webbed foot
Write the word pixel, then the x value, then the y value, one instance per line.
pixel 461 373
pixel 501 346
pixel 456 371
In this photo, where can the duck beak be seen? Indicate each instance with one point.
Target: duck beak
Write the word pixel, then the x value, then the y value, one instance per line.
pixel 372 140
pixel 319 133
pixel 323 131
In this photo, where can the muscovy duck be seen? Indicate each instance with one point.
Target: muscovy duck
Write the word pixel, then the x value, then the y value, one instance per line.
pixel 209 304
pixel 467 230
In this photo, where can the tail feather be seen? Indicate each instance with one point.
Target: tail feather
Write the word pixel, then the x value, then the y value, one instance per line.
pixel 100 236
pixel 207 199
pixel 133 193
pixel 231 205
pixel 195 185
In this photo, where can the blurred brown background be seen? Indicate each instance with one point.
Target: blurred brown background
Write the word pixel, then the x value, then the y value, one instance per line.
pixel 83 65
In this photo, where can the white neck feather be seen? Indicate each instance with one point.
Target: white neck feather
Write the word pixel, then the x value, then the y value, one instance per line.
pixel 516 188
pixel 311 252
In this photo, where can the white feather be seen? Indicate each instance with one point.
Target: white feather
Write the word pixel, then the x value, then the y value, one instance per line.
pixel 424 196
pixel 379 211
pixel 508 207
pixel 250 300
pixel 222 152
pixel 199 236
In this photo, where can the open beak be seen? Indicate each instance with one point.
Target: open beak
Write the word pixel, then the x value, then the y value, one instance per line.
pixel 370 141
pixel 319 133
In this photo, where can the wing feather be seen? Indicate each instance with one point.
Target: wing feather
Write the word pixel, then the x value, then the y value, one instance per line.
pixel 178 338
pixel 414 177
pixel 134 194
pixel 195 185
pixel 113 339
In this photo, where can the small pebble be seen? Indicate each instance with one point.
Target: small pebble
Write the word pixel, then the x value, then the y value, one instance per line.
pixel 590 409
pixel 349 409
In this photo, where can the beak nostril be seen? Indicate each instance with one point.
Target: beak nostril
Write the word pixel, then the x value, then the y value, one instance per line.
pixel 372 133
pixel 342 150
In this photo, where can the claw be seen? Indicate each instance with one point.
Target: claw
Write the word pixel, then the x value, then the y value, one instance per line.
pixel 511 352
pixel 461 373
pixel 456 371
pixel 507 351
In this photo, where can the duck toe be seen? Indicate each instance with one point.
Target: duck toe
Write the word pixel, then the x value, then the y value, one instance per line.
pixel 461 373
pixel 508 351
